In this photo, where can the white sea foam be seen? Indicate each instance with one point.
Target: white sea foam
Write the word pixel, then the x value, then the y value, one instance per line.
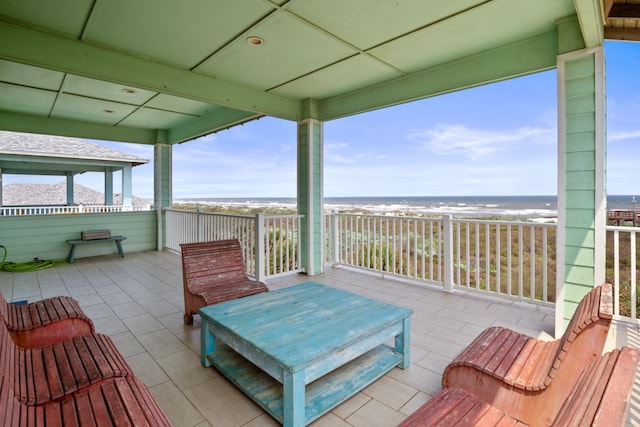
pixel 535 208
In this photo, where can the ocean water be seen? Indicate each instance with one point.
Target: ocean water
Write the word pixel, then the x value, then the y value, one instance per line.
pixel 459 206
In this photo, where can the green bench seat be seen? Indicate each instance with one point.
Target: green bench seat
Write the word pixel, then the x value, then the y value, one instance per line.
pixel 75 242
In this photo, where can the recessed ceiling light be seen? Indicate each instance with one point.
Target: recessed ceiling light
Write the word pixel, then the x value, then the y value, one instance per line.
pixel 255 41
pixel 109 111
pixel 128 90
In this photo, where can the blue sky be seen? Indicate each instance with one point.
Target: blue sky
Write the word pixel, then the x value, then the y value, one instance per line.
pixel 497 139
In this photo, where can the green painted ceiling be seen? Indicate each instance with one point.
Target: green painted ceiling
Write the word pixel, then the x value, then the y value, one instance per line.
pixel 167 71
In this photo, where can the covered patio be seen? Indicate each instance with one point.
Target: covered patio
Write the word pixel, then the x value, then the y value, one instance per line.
pixel 137 301
pixel 148 73
pixel 160 80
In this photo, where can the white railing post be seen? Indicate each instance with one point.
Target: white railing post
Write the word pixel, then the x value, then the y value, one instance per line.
pixel 447 252
pixel 198 225
pixel 335 241
pixel 259 245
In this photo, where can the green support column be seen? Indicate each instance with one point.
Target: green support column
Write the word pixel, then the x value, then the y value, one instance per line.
pixel 310 195
pixel 127 186
pixel 581 179
pixel 162 195
pixel 69 189
pixel 108 187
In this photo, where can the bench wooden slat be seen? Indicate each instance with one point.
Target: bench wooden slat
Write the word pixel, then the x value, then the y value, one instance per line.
pixel 65 371
pixel 56 389
pixel 67 413
pixel 43 314
pixel 84 410
pixel 214 272
pixel 511 367
pixel 30 316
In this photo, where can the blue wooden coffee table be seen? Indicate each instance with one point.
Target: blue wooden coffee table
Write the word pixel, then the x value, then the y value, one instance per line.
pixel 300 351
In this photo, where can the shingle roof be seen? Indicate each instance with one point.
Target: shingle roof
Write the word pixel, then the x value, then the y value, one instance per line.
pixel 29 144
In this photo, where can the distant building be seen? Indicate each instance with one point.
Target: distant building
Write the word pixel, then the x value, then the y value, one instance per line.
pixel 33 154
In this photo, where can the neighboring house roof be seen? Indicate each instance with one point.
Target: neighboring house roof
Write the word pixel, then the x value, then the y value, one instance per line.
pixel 29 144
pixel 31 154
pixel 56 194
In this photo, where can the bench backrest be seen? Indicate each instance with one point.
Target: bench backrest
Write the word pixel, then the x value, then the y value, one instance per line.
pixel 219 261
pixel 595 306
pixel 601 395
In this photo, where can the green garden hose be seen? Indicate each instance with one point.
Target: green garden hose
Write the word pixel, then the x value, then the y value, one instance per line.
pixel 35 265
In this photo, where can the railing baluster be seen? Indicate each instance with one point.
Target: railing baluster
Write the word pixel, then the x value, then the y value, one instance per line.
pixel 532 262
pixel 487 251
pixel 634 312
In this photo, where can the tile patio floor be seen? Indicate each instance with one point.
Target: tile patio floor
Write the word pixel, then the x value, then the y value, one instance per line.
pixel 137 300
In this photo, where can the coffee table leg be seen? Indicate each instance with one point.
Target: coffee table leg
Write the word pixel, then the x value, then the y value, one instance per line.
pixel 207 342
pixel 293 400
pixel 402 343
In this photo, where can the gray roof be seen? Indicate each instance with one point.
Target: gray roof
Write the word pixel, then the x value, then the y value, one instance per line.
pixel 29 144
pixel 56 194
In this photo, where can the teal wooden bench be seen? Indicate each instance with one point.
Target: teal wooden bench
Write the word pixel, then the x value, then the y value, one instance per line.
pixel 94 236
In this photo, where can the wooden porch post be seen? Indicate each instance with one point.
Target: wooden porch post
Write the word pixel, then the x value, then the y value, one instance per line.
pixel 581 238
pixel 310 195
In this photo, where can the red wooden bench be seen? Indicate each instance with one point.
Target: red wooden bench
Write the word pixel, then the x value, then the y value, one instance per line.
pixel 44 322
pixel 599 398
pixel 511 369
pixel 122 401
pixel 40 375
pixel 214 272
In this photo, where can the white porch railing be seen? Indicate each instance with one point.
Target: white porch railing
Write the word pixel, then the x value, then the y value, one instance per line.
pixel 622 268
pixel 509 259
pixel 273 236
pixel 76 209
pixel 514 260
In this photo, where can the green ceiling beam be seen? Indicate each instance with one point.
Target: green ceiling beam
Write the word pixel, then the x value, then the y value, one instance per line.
pixel 526 57
pixel 218 120
pixel 569 35
pixel 590 17
pixel 71 56
pixel 18 122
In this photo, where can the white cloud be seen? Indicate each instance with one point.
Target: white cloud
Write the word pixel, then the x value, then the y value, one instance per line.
pixel 622 135
pixel 476 143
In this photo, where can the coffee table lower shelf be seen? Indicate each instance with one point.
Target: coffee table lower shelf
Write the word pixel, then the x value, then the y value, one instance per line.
pixel 321 395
